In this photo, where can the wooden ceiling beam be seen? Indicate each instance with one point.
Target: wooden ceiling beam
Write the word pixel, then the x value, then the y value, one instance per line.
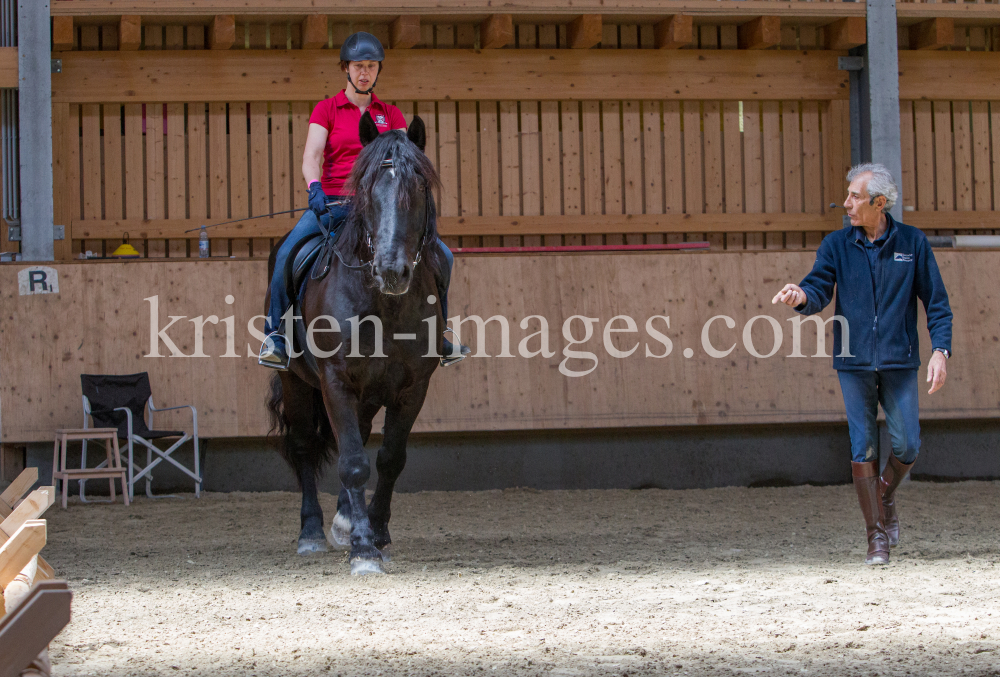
pixel 497 31
pixel 404 32
pixel 315 32
pixel 933 34
pixel 222 32
pixel 130 32
pixel 763 32
pixel 62 33
pixel 674 32
pixel 847 33
pixel 585 31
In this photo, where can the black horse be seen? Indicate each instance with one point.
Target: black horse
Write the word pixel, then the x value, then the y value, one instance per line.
pixel 381 292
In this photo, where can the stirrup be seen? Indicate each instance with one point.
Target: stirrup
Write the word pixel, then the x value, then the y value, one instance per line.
pixel 272 352
pixel 449 358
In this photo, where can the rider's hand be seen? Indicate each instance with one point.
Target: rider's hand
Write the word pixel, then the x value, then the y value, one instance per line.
pixel 791 295
pixel 937 371
pixel 317 199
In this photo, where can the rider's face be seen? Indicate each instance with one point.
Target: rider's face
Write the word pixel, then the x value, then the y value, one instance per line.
pixel 363 73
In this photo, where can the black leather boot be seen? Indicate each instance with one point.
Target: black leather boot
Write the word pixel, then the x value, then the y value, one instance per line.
pixel 448 355
pixel 273 352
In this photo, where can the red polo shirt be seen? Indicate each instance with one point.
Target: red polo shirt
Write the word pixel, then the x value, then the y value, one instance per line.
pixel 341 118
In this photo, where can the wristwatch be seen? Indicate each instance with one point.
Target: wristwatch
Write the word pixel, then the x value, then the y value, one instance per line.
pixel 944 352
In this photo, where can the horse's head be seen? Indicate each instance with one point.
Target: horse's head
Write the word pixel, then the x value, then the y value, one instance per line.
pixel 393 203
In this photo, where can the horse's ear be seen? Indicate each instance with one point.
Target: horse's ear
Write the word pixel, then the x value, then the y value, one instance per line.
pixel 417 133
pixel 367 129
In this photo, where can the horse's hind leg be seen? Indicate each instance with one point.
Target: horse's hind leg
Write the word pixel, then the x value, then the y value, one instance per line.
pixel 390 462
pixel 306 451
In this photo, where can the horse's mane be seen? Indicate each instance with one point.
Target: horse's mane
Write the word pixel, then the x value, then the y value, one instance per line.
pixel 409 163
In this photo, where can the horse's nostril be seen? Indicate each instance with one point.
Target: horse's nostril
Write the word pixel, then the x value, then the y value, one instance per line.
pixel 406 273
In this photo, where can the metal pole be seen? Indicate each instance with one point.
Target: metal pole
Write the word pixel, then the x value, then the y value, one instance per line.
pixel 34 59
pixel 882 75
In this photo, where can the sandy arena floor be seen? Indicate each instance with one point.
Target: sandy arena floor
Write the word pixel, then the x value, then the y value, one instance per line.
pixel 537 583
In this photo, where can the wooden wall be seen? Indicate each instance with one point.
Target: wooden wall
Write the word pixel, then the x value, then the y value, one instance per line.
pixel 99 323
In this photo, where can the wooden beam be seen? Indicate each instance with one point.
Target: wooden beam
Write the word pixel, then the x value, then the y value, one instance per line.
pixel 32 625
pixel 496 31
pixel 130 32
pixel 18 550
pixel 315 32
pixel 933 34
pixel 584 31
pixel 62 33
pixel 563 74
pixel 32 507
pixel 961 76
pixel 763 32
pixel 8 67
pixel 674 32
pixel 222 32
pixel 847 33
pixel 404 32
pixel 13 493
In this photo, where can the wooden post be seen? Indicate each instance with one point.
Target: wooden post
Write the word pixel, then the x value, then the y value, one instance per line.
pixel 130 33
pixel 761 33
pixel 674 32
pixel 847 33
pixel 62 33
pixel 315 32
pixel 404 32
pixel 584 31
pixel 496 31
pixel 222 32
pixel 933 34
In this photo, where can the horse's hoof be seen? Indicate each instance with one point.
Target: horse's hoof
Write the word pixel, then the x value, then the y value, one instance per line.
pixel 386 551
pixel 340 530
pixel 360 567
pixel 308 546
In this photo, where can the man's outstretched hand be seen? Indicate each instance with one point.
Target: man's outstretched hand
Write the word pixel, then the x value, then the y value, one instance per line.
pixel 791 295
pixel 937 371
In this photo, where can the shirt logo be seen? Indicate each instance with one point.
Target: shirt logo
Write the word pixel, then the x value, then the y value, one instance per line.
pixel 902 258
pixel 380 119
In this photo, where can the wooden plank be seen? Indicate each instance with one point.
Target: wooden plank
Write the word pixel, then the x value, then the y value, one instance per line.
pixel 981 155
pixel 713 156
pixel 489 164
pixel 315 29
pixel 265 75
pixel 753 167
pixel 282 164
pixel 923 122
pixel 956 75
pixel 73 168
pixel 449 168
pixel 259 198
pixel 694 201
pixel 593 183
pixel 908 185
pixel 933 34
pixel 572 164
pixel 674 32
pixel 760 33
pixel 91 160
pixel 62 33
pixel 113 151
pixel 18 487
pixel 791 147
pixel 198 171
pixel 300 130
pixel 633 162
pixel 847 33
pixel 468 158
pixel 218 162
pixel 18 551
pixel 32 626
pixel 733 170
pixel 673 151
pixel 611 134
pixel 584 32
pixel 510 160
pixel 944 158
pixel 130 32
pixel 496 31
pixel 155 169
pixel 32 507
pixel 176 162
pixel 963 156
pixel 772 177
pixel 551 162
pixel 238 161
pixel 652 157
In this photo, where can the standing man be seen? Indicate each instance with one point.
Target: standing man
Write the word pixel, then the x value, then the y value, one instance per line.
pixel 880 268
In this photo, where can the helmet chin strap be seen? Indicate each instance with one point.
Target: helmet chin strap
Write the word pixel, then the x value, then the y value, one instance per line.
pixel 358 91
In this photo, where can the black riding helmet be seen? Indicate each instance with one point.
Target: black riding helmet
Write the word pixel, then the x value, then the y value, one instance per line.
pixel 362 46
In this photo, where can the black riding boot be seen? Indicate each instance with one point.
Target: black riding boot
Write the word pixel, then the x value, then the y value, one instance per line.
pixel 866 483
pixel 448 354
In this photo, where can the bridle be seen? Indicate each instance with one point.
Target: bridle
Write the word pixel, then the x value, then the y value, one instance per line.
pixel 389 164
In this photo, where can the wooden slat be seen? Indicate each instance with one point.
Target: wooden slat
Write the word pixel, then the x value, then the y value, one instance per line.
pixel 981 155
pixel 404 32
pixel 674 32
pixel 176 162
pixel 733 151
pixel 300 130
pixel 73 168
pixel 944 170
pixel 791 143
pixel 469 157
pixel 510 161
pixel 572 164
pixel 489 164
pixel 652 157
pixel 632 157
pixel 612 165
pixel 283 167
pixel 113 150
pixel 496 31
pixel 551 164
pixel 963 156
pixel 15 554
pixel 18 488
pixel 673 151
pixel 264 75
pixel 91 157
pixel 753 167
pixel 198 173
pixel 531 172
pixel 448 157
pixel 694 196
pixel 907 154
pixel 218 163
pixel 812 173
pixel 584 31
pixel 155 168
pixel 714 170
pixel 593 184
pixel 771 146
pixel 923 123
pixel 760 33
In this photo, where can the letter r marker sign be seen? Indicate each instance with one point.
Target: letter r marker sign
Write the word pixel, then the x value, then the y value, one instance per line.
pixel 37 280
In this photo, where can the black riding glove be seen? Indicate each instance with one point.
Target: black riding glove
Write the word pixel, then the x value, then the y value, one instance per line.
pixel 317 199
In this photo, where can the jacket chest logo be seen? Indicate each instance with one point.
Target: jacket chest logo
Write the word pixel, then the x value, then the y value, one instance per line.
pixel 380 120
pixel 902 258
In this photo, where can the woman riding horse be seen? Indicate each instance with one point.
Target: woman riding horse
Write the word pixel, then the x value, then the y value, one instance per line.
pixel 332 146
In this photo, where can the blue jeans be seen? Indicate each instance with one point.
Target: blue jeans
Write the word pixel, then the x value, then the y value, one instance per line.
pixel 309 225
pixel 897 391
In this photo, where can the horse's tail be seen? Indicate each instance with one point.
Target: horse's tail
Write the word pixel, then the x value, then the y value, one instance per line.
pixel 313 447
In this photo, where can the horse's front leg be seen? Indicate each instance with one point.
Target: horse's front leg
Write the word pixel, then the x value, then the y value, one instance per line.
pixel 354 469
pixel 340 530
pixel 391 459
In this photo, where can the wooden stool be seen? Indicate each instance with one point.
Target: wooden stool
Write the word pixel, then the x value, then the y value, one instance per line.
pixel 112 472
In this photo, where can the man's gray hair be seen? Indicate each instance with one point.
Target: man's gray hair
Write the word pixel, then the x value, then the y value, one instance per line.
pixel 881 182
